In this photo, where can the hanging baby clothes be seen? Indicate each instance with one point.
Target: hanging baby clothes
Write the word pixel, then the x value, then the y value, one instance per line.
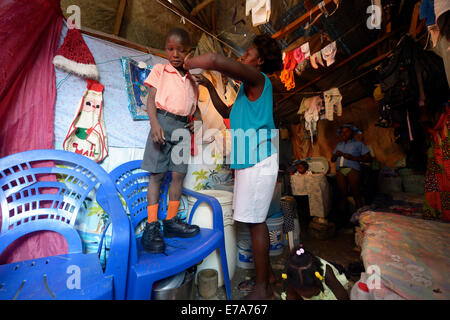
pixel 332 101
pixel 287 74
pixel 260 10
pixel 316 59
pixel 299 55
pixel 311 108
pixel 329 52
pixel 87 135
pixel 305 49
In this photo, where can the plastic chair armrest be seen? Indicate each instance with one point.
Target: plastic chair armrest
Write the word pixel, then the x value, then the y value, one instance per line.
pixel 212 202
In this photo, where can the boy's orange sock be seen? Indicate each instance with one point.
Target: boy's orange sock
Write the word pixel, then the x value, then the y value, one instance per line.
pixel 172 210
pixel 152 212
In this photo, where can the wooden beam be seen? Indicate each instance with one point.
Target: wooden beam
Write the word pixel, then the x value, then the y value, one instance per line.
pixel 342 63
pixel 374 61
pixel 200 7
pixel 299 22
pixel 119 16
pixel 213 18
pixel 123 42
pixel 179 12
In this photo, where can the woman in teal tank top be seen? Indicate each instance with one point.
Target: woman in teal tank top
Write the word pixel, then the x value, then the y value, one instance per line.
pixel 255 161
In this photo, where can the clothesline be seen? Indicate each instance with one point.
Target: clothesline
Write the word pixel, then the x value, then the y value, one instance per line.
pixel 199 27
pixel 339 87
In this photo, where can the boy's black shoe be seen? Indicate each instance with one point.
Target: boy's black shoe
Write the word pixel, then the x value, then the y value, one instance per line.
pixel 152 239
pixel 175 228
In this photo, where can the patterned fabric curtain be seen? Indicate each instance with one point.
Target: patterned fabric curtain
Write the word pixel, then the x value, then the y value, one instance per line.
pixel 29 36
pixel 437 180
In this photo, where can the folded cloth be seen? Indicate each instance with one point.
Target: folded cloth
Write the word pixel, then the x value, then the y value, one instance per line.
pixel 329 52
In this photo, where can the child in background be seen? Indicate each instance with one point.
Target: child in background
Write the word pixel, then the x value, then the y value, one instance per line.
pixel 302 167
pixel 309 277
pixel 171 102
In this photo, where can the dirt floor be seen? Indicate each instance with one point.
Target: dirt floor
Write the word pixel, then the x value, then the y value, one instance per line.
pixel 339 249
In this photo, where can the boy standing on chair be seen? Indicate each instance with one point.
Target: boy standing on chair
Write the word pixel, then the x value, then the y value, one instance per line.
pixel 171 102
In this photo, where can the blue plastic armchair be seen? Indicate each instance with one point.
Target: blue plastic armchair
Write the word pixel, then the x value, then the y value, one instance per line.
pixel 146 268
pixel 29 204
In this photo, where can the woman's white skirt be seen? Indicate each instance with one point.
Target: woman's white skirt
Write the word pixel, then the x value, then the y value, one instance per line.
pixel 253 190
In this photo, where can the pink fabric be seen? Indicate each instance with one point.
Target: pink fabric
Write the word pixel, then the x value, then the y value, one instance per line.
pixel 29 37
pixel 174 94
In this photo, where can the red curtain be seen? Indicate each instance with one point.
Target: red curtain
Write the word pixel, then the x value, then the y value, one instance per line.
pixel 29 37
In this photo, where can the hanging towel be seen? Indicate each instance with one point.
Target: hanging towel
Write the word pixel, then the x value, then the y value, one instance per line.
pixel 289 61
pixel 329 52
pixel 332 101
pixel 299 55
pixel 260 10
pixel 287 78
pixel 87 135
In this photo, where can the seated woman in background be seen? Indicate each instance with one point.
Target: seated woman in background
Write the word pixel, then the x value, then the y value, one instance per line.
pixel 348 154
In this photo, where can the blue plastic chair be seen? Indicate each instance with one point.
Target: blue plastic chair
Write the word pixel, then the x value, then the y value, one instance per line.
pixel 29 204
pixel 146 268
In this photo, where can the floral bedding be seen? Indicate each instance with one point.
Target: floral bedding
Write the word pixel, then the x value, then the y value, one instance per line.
pixel 412 255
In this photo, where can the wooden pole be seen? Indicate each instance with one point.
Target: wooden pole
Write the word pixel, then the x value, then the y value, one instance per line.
pixel 119 17
pixel 200 7
pixel 299 22
pixel 123 42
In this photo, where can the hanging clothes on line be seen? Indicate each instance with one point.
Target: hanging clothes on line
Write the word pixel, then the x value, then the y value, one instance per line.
pixel 287 74
pixel 310 108
pixel 329 52
pixel 260 10
pixel 332 102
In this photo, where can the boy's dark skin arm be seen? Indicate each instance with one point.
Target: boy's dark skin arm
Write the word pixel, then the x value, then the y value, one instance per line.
pixel 156 131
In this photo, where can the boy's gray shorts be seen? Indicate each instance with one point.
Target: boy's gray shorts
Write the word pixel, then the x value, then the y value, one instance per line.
pixel 174 154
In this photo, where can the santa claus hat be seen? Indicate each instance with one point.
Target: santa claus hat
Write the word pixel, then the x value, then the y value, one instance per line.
pixel 75 57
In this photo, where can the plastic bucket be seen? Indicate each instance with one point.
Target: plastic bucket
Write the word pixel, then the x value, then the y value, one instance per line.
pixel 203 218
pixel 244 254
pixel 244 246
pixel 275 226
pixel 177 287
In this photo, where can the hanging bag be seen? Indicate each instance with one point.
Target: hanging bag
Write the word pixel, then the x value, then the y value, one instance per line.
pixel 87 135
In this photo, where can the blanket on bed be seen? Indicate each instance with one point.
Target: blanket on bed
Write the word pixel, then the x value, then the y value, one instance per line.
pixel 413 255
